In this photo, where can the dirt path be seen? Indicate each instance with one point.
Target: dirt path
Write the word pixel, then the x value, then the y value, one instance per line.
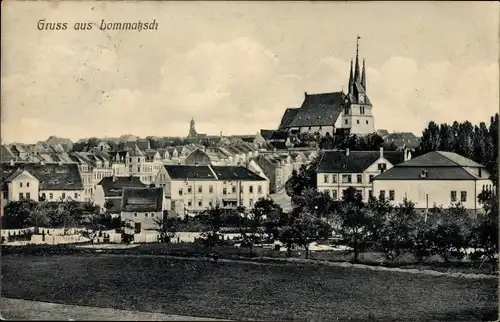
pixel 17 309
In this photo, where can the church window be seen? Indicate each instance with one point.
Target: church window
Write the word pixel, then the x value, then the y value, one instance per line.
pixel 362 110
pixel 346 110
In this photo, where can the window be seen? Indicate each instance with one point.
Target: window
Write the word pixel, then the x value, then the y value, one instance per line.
pixel 210 204
pixel 346 111
pixel 152 215
pixel 453 196
pixel 346 121
pixel 370 194
pixel 64 195
pixel 334 178
pixel 366 121
pixel 76 195
pixel 180 192
pixel 20 184
pixel 21 196
pixel 259 189
pixel 346 178
pixel 250 189
pixel 479 172
pixel 362 110
pixel 130 160
pixel 382 166
pixel 51 196
pixel 190 203
pixel 211 189
pixel 200 203
pixel 391 194
pixel 189 189
pixel 382 194
pixel 200 189
pixel 224 191
pixel 135 214
pixel 359 178
pixel 371 178
pixel 357 121
pixel 250 202
pixel 146 215
pixel 463 196
pixel 43 196
pixel 233 189
pixel 28 184
pixel 334 194
pixel 326 178
pixel 138 169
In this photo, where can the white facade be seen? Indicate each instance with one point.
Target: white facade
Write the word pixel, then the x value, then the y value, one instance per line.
pixel 142 220
pixel 62 195
pixel 23 186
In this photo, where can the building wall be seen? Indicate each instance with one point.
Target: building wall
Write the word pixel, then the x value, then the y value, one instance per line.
pixel 351 120
pixel 23 183
pixel 99 198
pixel 147 219
pixel 425 193
pixel 58 195
pixel 120 170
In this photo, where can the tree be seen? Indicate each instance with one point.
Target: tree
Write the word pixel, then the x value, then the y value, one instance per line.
pixel 305 227
pixel 354 222
pixel 450 236
pixel 213 220
pixel 16 213
pixel 395 235
pixel 484 233
pixel 302 179
pixel 167 227
pixel 253 231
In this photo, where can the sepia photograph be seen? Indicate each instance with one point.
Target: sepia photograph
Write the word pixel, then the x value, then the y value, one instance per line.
pixel 249 160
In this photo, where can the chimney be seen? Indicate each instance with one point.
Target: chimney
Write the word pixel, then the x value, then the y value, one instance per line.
pixel 381 152
pixel 305 94
pixel 347 151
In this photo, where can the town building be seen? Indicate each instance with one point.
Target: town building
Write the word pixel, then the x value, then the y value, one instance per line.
pixel 108 192
pixel 436 178
pixel 330 112
pixel 339 170
pixel 36 181
pixel 192 189
pixel 143 207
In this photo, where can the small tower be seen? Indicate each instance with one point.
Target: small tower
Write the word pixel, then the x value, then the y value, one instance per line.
pixel 192 130
pixel 357 113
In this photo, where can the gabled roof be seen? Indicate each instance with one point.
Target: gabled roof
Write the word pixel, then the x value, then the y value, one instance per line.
pixel 183 172
pixel 288 117
pixel 198 157
pixel 6 154
pixel 65 176
pixel 143 144
pixel 231 173
pixel 113 186
pixel 319 109
pixel 142 200
pixel 441 159
pixel 439 165
pixel 279 135
pixel 355 162
pixel 266 134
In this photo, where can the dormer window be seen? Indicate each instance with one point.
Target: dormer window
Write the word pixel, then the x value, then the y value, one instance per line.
pixel 423 174
pixel 479 172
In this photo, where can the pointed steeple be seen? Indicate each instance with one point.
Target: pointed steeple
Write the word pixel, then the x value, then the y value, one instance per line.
pixel 363 76
pixel 356 67
pixel 351 80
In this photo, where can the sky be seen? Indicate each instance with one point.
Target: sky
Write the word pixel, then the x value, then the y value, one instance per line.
pixel 236 66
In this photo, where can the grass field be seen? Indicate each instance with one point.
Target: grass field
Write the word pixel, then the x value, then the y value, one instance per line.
pixel 245 291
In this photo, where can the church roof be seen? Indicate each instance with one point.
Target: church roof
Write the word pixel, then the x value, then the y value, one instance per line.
pixel 319 109
pixel 287 118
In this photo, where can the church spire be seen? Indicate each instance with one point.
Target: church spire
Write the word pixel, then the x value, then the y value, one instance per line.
pixel 356 68
pixel 363 76
pixel 351 80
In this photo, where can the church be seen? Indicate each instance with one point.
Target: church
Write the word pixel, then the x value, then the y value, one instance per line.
pixel 336 112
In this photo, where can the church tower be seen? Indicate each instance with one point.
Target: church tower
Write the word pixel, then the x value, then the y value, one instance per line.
pixel 357 113
pixel 192 130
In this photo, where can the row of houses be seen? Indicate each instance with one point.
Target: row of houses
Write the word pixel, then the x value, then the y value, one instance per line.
pixel 435 179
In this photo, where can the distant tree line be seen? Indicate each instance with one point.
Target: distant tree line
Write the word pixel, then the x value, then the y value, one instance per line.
pixel 477 142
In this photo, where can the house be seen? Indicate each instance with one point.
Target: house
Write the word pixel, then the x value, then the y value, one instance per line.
pixel 111 188
pixel 198 157
pixel 40 181
pixel 402 139
pixel 436 178
pixel 328 112
pixel 339 170
pixel 142 207
pixel 7 154
pixel 196 188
